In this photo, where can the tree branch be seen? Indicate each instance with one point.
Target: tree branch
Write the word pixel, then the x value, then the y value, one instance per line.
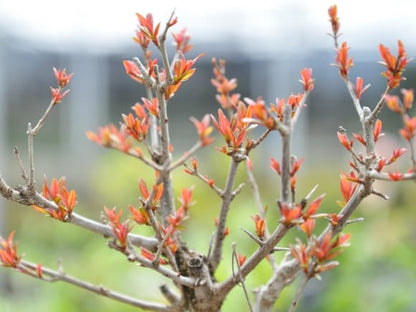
pixel 299 108
pixel 266 295
pixel 196 173
pixel 186 156
pixel 168 202
pixel 147 161
pixel 260 139
pixel 154 137
pixel 20 195
pixel 286 152
pixel 164 53
pixel 378 108
pixel 227 196
pixel 173 275
pixel 355 100
pixel 148 79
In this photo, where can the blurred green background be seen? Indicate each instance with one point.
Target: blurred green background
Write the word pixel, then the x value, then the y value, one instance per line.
pixel 377 273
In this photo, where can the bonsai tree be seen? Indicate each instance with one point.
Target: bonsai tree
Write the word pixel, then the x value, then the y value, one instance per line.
pixel 144 135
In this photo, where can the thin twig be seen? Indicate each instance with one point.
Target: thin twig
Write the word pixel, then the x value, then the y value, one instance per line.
pixel 378 193
pixel 161 237
pixel 355 100
pixel 164 53
pixel 262 213
pixel 31 183
pixel 299 293
pixel 162 248
pixel 280 249
pixel 42 120
pixel 222 218
pixel 240 276
pixel 354 221
pixel 237 190
pixel 171 274
pixel 379 107
pixel 21 166
pixel 260 139
pixel 150 81
pixel 196 173
pixel 146 160
pixel 335 38
pixel 254 186
pixel 253 237
pixel 299 108
pixel 100 290
pixel 307 197
pixel 180 161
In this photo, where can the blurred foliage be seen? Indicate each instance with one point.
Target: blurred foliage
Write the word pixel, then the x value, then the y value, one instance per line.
pixel 377 273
